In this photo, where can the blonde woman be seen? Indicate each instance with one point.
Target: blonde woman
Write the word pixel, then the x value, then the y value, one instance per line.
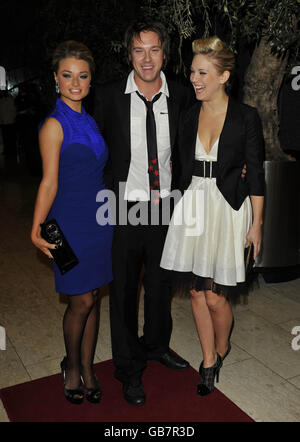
pixel 217 136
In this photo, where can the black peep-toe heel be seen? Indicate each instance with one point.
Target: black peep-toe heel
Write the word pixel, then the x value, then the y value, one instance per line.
pixel 75 396
pixel 93 395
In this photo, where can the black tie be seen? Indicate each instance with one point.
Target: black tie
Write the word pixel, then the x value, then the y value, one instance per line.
pixel 153 169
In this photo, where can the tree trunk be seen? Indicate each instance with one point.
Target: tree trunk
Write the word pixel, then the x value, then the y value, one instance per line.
pixel 261 88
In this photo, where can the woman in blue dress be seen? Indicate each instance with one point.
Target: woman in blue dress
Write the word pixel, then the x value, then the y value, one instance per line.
pixel 74 155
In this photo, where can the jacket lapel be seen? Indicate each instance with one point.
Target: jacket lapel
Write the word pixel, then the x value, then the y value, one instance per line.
pixel 173 117
pixel 229 132
pixel 124 118
pixel 172 113
pixel 190 134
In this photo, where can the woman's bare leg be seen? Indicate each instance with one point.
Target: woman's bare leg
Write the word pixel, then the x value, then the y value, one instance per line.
pixel 222 317
pixel 205 328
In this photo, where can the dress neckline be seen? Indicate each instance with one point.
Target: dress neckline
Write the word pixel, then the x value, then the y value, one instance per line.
pixel 64 106
pixel 213 145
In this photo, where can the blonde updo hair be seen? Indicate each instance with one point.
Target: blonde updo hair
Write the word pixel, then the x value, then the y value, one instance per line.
pixel 221 56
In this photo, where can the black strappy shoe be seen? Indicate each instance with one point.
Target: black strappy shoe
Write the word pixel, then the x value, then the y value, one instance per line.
pixel 93 395
pixel 208 375
pixel 74 396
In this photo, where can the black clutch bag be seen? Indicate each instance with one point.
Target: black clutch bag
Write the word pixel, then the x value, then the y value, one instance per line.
pixel 63 255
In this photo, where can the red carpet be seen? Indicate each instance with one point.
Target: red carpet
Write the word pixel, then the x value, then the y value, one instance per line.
pixel 170 397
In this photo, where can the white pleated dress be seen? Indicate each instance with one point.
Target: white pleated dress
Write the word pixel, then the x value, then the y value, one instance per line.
pixel 213 247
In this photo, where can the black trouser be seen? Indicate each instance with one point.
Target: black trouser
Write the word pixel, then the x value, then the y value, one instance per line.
pixel 133 247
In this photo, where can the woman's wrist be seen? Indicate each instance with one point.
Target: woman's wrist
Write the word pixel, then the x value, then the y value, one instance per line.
pixel 257 223
pixel 36 232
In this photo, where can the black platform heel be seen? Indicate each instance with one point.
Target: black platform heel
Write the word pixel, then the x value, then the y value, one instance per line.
pixel 74 396
pixel 229 344
pixel 93 395
pixel 208 375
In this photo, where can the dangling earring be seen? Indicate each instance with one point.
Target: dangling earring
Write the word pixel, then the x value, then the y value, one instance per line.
pixel 57 88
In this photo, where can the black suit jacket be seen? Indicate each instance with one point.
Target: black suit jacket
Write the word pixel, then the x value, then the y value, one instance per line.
pixel 112 114
pixel 241 141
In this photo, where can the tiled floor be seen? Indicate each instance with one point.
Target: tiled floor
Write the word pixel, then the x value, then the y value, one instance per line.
pixel 261 375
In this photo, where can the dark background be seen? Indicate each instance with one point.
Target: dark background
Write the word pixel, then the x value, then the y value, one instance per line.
pixel 30 30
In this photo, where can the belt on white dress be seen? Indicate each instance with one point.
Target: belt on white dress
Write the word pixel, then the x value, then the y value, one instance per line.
pixel 205 169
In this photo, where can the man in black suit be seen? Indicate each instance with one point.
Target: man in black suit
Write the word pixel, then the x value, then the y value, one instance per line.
pixel 121 112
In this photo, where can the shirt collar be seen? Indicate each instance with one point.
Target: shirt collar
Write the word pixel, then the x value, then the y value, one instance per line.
pixel 132 87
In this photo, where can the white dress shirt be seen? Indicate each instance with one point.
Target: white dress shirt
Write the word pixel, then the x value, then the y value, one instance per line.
pixel 137 185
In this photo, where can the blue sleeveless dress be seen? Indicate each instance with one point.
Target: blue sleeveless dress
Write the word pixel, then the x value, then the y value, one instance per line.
pixel 83 156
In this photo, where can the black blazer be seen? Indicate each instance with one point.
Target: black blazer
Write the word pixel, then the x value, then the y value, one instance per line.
pixel 241 141
pixel 112 114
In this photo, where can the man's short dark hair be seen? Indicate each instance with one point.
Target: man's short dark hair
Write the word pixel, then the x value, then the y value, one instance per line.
pixel 135 29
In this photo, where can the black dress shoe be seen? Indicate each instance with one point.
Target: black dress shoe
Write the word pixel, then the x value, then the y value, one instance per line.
pixel 171 360
pixel 134 393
